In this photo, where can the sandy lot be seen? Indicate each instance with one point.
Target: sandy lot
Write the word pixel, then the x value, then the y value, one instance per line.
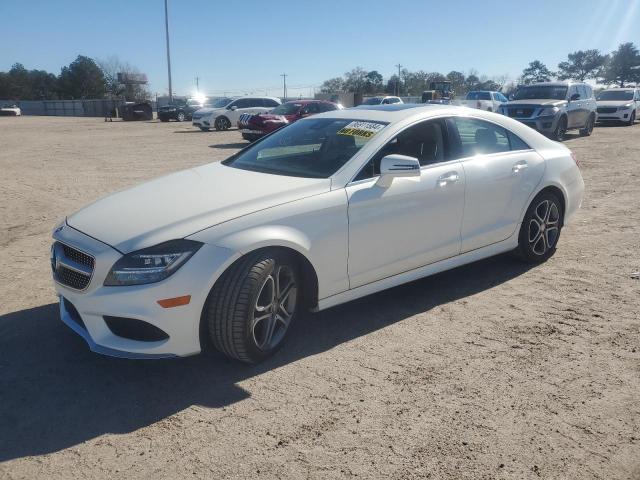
pixel 490 371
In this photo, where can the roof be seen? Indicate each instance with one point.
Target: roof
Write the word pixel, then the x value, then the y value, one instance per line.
pixel 386 113
pixel 562 83
pixel 304 102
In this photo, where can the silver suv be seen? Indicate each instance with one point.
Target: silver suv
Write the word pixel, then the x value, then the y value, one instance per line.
pixel 553 108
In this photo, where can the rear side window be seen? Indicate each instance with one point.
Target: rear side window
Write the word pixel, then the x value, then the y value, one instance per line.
pixel 477 137
pixel 327 107
pixel 269 102
pixel 245 103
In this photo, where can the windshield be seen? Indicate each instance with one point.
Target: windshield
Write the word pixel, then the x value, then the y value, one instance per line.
pixel 313 148
pixel 478 96
pixel 221 102
pixel 195 103
pixel 372 101
pixel 541 92
pixel 287 109
pixel 616 95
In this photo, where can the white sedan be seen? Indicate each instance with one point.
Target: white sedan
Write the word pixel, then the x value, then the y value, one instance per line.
pixel 328 209
pixel 10 111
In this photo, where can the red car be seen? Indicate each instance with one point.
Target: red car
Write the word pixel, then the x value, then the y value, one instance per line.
pixel 253 127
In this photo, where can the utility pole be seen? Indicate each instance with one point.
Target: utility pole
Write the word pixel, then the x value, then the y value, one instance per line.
pixel 166 28
pixel 198 84
pixel 398 81
pixel 284 85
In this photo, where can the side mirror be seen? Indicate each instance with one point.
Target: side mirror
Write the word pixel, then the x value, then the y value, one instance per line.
pixel 233 108
pixel 394 166
pixel 575 96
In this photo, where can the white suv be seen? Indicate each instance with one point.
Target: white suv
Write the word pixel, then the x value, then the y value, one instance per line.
pixel 226 111
pixel 619 105
pixel 388 100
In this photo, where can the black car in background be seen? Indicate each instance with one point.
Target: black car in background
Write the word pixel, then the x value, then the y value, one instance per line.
pixel 179 109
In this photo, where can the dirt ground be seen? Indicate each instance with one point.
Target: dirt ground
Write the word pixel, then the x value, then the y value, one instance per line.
pixel 491 371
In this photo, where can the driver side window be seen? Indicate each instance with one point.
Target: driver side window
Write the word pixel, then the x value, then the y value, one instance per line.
pixel 426 141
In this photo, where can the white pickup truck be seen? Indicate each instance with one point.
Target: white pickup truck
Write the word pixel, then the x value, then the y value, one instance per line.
pixel 484 100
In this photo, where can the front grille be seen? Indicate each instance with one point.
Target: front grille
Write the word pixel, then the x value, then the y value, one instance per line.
pixel 197 116
pixel 78 256
pixel 520 112
pixel 607 109
pixel 71 267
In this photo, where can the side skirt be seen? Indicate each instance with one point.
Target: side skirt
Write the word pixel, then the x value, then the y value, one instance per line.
pixel 421 272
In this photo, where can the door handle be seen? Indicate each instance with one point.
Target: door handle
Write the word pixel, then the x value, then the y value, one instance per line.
pixel 447 178
pixel 518 167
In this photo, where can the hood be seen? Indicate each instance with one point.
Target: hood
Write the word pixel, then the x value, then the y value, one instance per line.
pixel 543 102
pixel 613 103
pixel 208 111
pixel 263 117
pixel 186 202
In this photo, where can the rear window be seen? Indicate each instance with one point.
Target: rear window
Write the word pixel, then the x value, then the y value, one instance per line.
pixel 478 96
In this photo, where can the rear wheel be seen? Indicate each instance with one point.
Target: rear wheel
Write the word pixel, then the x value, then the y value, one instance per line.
pixel 540 229
pixel 561 129
pixel 180 117
pixel 588 128
pixel 164 119
pixel 253 304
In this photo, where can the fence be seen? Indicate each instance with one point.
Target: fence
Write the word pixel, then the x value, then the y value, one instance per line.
pixel 67 108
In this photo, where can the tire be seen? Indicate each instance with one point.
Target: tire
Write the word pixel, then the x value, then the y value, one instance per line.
pixel 632 119
pixel 205 129
pixel 588 128
pixel 246 313
pixel 535 244
pixel 180 117
pixel 561 129
pixel 222 123
pixel 164 119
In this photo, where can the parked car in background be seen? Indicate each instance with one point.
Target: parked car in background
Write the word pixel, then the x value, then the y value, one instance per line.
pixel 619 105
pixel 484 100
pixel 553 108
pixel 388 100
pixel 180 110
pixel 10 111
pixel 253 127
pixel 226 112
pixel 337 206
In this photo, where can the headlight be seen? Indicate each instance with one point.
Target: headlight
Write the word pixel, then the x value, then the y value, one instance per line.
pixel 548 111
pixel 625 107
pixel 152 264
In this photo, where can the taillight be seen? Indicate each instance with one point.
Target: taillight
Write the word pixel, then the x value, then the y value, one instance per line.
pixel 575 159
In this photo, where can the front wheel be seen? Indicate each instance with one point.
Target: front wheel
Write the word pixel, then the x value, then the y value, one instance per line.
pixel 632 120
pixel 540 229
pixel 222 123
pixel 180 117
pixel 561 129
pixel 253 304
pixel 588 128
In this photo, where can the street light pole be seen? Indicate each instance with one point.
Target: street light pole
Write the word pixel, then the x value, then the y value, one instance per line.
pixel 398 82
pixel 284 86
pixel 166 28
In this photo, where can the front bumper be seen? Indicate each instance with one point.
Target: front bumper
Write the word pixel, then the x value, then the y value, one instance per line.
pixel 202 122
pixel 617 116
pixel 545 124
pixel 140 302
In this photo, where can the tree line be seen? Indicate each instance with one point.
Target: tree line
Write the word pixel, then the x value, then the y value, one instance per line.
pixel 82 78
pixel 620 67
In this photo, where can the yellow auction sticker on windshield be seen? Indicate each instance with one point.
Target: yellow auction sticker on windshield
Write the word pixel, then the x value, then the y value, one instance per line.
pixel 361 129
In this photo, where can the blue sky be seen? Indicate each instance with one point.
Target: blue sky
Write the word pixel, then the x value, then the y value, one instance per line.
pixel 243 46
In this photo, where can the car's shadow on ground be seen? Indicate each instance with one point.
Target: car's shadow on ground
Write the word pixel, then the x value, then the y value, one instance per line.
pixel 230 146
pixel 55 393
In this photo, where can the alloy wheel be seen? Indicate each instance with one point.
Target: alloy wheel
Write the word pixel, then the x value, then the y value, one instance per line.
pixel 544 227
pixel 274 308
